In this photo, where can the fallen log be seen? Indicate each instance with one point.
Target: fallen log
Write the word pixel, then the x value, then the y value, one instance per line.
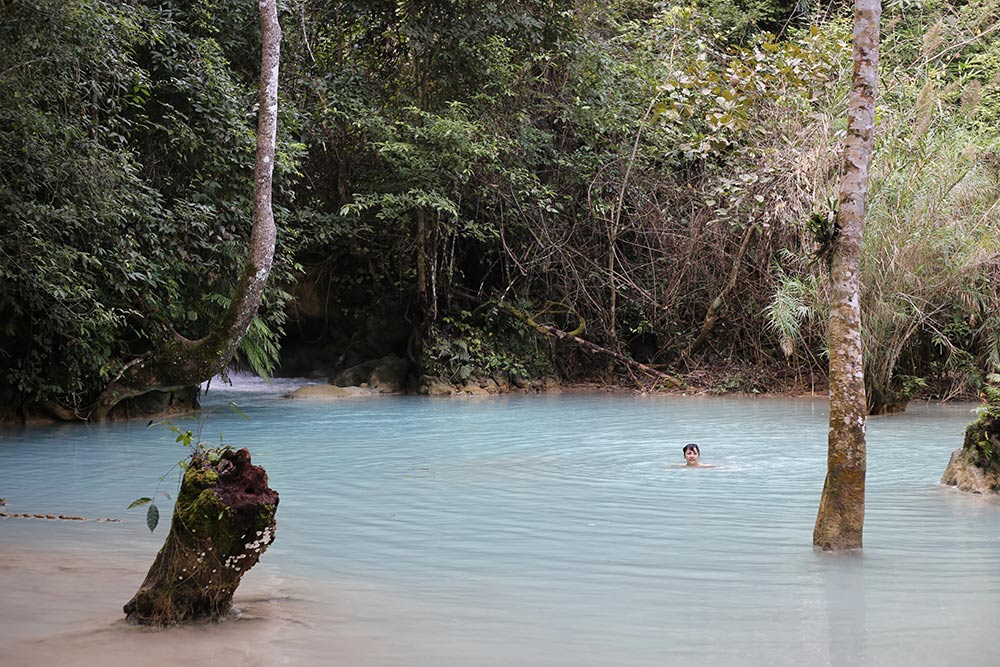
pixel 223 520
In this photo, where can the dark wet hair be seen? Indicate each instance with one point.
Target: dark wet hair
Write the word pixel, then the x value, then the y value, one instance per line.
pixel 691 445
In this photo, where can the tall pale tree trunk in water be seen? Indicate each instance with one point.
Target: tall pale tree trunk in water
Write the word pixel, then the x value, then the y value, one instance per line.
pixel 841 516
pixel 180 362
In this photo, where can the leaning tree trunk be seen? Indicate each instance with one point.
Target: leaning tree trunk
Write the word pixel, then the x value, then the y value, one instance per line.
pixel 180 362
pixel 715 308
pixel 223 521
pixel 841 516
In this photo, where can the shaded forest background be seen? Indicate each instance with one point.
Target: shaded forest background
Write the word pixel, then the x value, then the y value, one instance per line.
pixel 656 177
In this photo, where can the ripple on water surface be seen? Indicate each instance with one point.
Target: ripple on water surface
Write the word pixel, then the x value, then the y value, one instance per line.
pixel 531 530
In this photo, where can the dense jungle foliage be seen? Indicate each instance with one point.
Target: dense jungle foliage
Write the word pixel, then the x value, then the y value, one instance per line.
pixel 663 173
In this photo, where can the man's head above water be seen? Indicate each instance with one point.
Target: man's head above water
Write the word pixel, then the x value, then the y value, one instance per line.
pixel 692 453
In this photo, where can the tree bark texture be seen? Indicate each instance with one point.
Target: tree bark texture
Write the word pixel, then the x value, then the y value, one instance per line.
pixel 841 515
pixel 181 362
pixel 223 521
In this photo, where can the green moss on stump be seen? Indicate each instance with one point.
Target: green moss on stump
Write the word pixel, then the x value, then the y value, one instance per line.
pixel 982 439
pixel 223 520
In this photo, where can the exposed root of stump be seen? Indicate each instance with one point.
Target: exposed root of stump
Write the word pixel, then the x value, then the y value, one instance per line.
pixel 223 521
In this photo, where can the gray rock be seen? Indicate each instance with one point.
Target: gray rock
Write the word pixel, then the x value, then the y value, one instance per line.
pixel 355 375
pixel 962 472
pixel 552 385
pixel 975 468
pixel 435 387
pixel 390 374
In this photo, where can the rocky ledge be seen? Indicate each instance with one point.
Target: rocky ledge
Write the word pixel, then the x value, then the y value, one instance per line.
pixel 394 375
pixel 976 466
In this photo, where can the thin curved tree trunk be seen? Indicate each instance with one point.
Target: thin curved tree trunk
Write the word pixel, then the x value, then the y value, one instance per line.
pixel 714 311
pixel 181 362
pixel 841 516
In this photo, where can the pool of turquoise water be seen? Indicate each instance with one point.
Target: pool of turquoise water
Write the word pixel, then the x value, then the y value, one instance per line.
pixel 519 530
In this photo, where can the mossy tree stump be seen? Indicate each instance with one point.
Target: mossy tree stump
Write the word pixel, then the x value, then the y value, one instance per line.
pixel 223 521
pixel 976 466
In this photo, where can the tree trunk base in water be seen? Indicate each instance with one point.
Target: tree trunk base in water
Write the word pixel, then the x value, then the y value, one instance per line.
pixel 976 466
pixel 223 521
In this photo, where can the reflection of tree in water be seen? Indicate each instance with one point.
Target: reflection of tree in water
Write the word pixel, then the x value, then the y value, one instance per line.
pixel 843 581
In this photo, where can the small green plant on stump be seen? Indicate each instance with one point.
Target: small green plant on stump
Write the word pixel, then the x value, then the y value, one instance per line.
pixel 223 520
pixel 188 438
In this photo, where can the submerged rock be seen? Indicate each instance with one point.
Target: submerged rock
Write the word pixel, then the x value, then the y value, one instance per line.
pixel 976 466
pixel 326 391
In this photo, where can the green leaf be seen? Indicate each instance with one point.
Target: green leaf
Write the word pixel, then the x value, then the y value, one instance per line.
pixel 152 517
pixel 236 408
pixel 139 502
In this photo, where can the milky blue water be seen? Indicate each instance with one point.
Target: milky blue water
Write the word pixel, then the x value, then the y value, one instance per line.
pixel 521 530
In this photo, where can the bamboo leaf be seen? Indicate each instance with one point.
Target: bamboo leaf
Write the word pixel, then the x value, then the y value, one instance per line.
pixel 236 408
pixel 139 502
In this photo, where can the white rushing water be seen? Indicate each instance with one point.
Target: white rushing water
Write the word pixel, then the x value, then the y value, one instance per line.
pixel 517 530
